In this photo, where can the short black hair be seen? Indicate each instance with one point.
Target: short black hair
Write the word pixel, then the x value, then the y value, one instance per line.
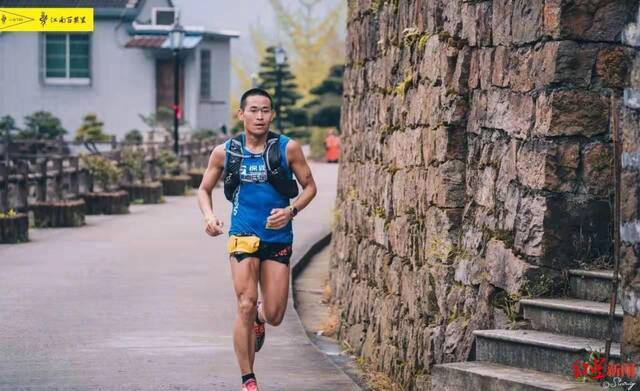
pixel 254 92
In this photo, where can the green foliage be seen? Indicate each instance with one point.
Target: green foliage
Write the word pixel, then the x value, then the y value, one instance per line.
pixel 508 304
pixel 133 160
pixel 318 135
pixel 42 125
pixel 269 74
pixel 134 136
pixel 324 109
pixel 298 117
pixel 168 162
pixel 314 41
pixel 91 130
pixel 103 170
pixel 8 125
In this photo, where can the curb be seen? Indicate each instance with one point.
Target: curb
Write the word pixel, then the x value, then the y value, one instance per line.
pixel 297 268
pixel 303 261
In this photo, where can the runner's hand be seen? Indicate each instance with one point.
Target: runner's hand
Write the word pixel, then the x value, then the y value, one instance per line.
pixel 279 218
pixel 213 226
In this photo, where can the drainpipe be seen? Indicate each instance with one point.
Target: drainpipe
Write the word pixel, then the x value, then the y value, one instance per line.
pixel 617 153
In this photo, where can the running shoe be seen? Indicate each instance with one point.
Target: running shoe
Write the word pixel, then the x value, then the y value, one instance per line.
pixel 250 385
pixel 259 329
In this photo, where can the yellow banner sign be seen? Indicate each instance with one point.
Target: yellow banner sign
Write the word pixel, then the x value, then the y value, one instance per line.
pixel 46 19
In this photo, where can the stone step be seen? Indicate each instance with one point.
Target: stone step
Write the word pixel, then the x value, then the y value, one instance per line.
pixel 537 350
pixel 580 318
pixel 591 284
pixel 482 375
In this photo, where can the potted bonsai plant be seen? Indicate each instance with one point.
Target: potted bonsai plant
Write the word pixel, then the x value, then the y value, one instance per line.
pixel 106 173
pixel 133 161
pixel 173 183
pixel 14 227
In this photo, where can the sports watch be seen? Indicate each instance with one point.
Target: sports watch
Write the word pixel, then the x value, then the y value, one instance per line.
pixel 293 211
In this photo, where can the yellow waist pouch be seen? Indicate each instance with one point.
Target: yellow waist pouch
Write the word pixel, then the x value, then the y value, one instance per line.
pixel 243 244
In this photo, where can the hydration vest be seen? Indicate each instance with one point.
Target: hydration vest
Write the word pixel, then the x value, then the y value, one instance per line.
pixel 276 175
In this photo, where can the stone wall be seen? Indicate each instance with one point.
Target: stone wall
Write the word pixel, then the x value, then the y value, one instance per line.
pixel 477 166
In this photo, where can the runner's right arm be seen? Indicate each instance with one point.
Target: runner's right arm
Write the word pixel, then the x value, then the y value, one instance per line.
pixel 213 225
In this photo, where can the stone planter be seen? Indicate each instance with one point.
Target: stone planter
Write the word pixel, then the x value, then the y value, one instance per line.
pixel 107 203
pixel 196 178
pixel 149 193
pixel 69 213
pixel 14 229
pixel 175 185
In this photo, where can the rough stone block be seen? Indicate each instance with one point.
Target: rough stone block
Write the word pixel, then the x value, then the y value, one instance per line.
pixel 501 22
pixel 502 109
pixel 408 191
pixel 476 23
pixel 443 143
pixel 587 20
pixel 445 184
pixel 402 149
pixel 571 112
pixel 529 225
pixel 613 66
pixel 505 270
pixel 546 165
pixel 597 163
pixel 526 21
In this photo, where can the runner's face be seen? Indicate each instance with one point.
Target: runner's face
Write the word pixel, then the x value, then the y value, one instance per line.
pixel 257 114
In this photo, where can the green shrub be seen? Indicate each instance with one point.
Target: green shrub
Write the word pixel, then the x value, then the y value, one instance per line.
pixel 134 136
pixel 42 125
pixel 103 170
pixel 168 162
pixel 134 161
pixel 91 130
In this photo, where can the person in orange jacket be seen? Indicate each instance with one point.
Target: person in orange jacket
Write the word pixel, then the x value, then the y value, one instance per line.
pixel 332 147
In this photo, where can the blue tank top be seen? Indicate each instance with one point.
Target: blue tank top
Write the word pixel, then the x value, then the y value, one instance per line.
pixel 255 197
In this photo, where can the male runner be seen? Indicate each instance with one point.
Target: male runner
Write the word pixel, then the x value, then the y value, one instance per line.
pixel 261 233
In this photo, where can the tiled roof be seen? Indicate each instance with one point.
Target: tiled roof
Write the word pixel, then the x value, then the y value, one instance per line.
pixel 70 3
pixel 146 42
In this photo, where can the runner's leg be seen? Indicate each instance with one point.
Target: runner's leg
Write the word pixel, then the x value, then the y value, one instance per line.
pixel 274 285
pixel 245 283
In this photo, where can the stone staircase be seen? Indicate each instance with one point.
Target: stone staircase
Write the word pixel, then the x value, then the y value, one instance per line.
pixel 562 330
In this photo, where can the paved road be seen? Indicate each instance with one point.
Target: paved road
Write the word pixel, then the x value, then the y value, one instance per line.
pixel 144 302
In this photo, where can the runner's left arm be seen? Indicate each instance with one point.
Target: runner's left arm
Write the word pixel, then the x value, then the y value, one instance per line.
pixel 280 217
pixel 303 174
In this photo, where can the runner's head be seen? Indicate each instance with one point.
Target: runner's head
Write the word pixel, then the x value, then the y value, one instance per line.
pixel 256 111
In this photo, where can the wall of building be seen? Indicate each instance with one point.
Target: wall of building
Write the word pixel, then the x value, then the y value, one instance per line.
pixel 122 83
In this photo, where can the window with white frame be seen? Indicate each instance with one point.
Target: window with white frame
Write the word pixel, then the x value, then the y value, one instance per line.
pixel 205 74
pixel 67 58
